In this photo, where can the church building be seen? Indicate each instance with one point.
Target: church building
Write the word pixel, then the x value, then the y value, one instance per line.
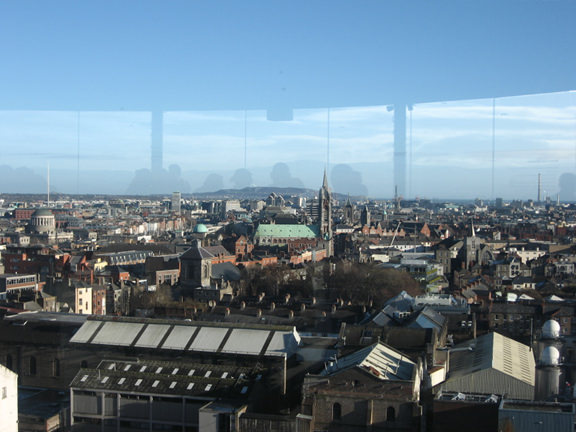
pixel 320 231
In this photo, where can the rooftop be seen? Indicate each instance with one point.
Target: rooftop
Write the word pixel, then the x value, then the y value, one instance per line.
pixel 380 360
pixel 167 378
pixel 194 336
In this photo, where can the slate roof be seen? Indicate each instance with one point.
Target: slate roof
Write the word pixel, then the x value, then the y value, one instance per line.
pixel 165 378
pixel 226 271
pixel 217 250
pixel 196 252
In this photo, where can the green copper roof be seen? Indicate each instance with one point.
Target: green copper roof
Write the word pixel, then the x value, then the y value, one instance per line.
pixel 287 231
pixel 200 228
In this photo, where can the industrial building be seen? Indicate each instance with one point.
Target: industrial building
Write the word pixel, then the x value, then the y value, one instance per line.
pixel 152 395
pixel 491 364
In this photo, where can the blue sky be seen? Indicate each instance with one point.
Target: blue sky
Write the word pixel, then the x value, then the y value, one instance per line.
pixel 79 80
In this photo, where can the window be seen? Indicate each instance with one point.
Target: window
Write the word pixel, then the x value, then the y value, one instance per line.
pixel 32 366
pixel 4 392
pixel 9 361
pixel 336 411
pixel 56 368
pixel 391 414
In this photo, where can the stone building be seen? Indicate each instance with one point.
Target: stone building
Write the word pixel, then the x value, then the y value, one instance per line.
pixel 376 388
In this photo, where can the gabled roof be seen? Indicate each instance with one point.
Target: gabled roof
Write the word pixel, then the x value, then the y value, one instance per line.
pixel 428 318
pixel 196 252
pixel 217 250
pixel 493 351
pixel 226 271
pixel 380 360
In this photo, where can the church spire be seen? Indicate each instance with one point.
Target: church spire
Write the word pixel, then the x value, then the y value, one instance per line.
pixel 325 182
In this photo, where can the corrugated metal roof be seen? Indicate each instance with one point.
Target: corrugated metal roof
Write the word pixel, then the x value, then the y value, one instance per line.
pixel 242 340
pixel 181 335
pixel 85 332
pixel 117 333
pixel 492 364
pixel 152 335
pixel 380 360
pixel 536 416
pixel 208 339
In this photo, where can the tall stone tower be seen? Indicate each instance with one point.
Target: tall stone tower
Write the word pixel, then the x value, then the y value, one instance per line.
pixel 365 217
pixel 325 215
pixel 472 247
pixel 349 212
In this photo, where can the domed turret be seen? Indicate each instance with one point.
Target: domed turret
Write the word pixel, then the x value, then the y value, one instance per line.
pixel 43 221
pixel 200 229
pixel 551 330
pixel 550 356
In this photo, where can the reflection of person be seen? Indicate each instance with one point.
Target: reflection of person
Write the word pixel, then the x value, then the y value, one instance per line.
pixel 281 177
pixel 346 180
pixel 241 178
pixel 567 186
pixel 28 181
pixel 146 181
pixel 212 183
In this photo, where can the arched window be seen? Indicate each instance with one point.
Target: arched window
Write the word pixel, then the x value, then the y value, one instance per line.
pixel 336 411
pixel 9 361
pixel 32 368
pixel 390 414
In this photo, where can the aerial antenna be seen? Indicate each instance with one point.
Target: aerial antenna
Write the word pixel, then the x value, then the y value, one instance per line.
pixel 328 141
pixel 245 136
pixel 410 109
pixel 493 144
pixel 48 185
pixel 78 153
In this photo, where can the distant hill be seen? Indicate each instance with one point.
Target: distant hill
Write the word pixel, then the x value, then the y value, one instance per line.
pixel 255 193
pixel 261 192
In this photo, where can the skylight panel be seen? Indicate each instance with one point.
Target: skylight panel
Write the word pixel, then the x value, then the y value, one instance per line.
pixel 191 372
pixel 121 381
pixel 208 387
pixel 190 386
pixel 84 378
pixel 104 380
pixel 175 371
pixel 207 374
pixel 155 383
pixel 143 368
pixel 138 382
pixel 173 384
pixel 127 367
pixel 159 370
pixel 224 375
